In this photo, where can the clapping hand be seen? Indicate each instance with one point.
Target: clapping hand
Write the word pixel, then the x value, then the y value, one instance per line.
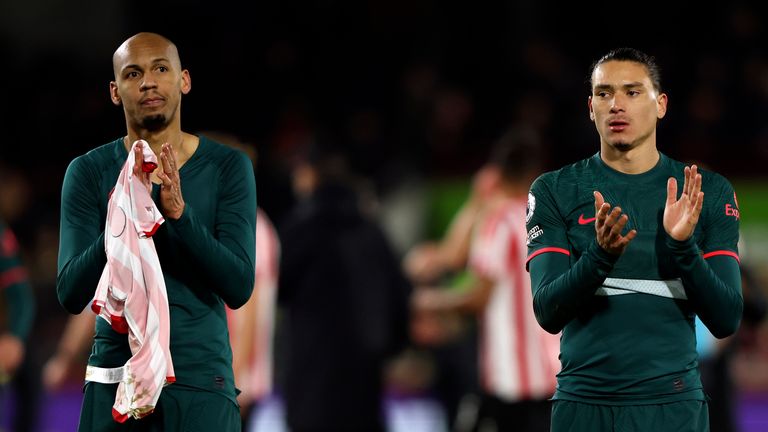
pixel 171 200
pixel 609 223
pixel 682 215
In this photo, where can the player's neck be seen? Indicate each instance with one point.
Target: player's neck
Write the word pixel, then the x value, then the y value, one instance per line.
pixel 184 144
pixel 156 139
pixel 634 161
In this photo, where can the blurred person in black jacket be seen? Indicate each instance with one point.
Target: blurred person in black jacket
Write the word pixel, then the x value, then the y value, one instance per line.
pixel 345 298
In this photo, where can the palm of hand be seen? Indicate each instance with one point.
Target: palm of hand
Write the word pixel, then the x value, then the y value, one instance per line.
pixel 678 219
pixel 682 215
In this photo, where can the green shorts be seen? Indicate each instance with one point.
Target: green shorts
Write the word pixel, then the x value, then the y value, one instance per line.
pixel 178 409
pixel 682 416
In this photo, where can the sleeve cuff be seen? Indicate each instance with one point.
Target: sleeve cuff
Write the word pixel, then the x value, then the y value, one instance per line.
pixel 185 219
pixel 602 257
pixel 684 247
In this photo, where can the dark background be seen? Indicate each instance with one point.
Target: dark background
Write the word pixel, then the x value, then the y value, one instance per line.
pixel 414 86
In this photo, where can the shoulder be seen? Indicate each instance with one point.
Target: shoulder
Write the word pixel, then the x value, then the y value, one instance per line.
pixel 97 160
pixel 711 181
pixel 714 181
pixel 219 153
pixel 564 177
pixel 719 196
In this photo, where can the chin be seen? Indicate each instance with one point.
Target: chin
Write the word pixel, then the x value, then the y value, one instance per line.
pixel 154 122
pixel 622 146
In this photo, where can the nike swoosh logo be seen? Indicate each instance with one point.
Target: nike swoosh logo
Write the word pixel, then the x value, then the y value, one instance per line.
pixel 583 221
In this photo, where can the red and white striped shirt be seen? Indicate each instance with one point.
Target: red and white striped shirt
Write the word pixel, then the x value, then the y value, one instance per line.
pixel 255 379
pixel 131 295
pixel 518 359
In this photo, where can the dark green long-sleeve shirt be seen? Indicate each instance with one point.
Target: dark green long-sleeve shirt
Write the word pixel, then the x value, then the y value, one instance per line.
pixel 628 321
pixel 207 256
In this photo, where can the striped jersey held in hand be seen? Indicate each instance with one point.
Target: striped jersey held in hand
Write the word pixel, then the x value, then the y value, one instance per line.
pixel 131 294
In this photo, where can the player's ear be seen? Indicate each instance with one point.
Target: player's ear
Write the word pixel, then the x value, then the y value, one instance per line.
pixel 591 112
pixel 113 94
pixel 661 105
pixel 186 81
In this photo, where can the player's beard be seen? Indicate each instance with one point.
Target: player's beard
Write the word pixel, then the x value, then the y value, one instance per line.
pixel 154 122
pixel 622 146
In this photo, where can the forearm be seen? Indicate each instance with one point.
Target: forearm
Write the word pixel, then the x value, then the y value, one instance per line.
pixel 244 321
pixel 78 276
pixel 453 250
pixel 470 301
pixel 225 260
pixel 77 336
pixel 559 290
pixel 712 285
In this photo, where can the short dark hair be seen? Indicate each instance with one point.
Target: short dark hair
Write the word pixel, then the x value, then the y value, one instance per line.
pixel 517 152
pixel 633 55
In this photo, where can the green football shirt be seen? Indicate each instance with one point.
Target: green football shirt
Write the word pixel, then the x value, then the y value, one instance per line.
pixel 207 256
pixel 627 321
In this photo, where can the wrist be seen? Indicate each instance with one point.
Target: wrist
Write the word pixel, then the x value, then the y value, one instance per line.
pixel 176 214
pixel 681 246
pixel 601 255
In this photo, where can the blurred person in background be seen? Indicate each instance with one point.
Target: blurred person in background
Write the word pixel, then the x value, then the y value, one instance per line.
pixel 716 355
pixel 206 194
pixel 344 297
pixel 251 327
pixel 622 264
pixel 447 342
pixel 17 310
pixel 70 357
pixel 517 359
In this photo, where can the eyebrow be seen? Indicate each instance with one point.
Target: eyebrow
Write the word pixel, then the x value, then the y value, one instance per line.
pixel 154 61
pixel 625 86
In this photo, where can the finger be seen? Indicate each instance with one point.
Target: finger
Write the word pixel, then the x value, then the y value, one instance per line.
pixel 165 179
pixel 171 157
pixel 138 159
pixel 699 203
pixel 598 201
pixel 695 190
pixel 165 161
pixel 601 210
pixel 696 180
pixel 618 227
pixel 623 241
pixel 687 181
pixel 613 217
pixel 599 213
pixel 671 191
pixel 606 230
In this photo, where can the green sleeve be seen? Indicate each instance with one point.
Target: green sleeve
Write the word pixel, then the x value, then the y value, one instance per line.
pixel 559 289
pixel 81 239
pixel 14 286
pixel 712 285
pixel 226 255
pixel 21 309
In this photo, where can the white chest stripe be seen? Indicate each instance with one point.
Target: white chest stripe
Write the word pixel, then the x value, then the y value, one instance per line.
pixel 663 288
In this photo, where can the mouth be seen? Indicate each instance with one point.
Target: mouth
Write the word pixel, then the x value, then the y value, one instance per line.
pixel 618 125
pixel 152 102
